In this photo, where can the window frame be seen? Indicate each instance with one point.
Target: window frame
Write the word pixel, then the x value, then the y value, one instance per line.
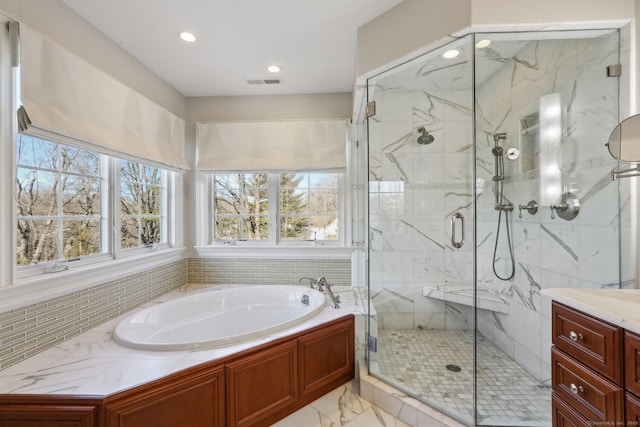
pixel 110 240
pixel 275 242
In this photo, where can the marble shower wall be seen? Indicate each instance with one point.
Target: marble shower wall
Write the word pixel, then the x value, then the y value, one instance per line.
pixel 413 191
pixel 549 252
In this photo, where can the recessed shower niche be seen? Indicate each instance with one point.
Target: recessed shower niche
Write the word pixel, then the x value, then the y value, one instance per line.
pixel 436 302
pixel 529 143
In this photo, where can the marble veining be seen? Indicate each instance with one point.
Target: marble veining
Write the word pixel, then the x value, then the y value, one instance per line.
pixel 411 257
pixel 618 306
pixel 93 364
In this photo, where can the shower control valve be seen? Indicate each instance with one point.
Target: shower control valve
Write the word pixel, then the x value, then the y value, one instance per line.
pixel 531 207
pixel 568 208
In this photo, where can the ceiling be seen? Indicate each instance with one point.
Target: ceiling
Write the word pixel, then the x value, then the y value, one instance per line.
pixel 313 41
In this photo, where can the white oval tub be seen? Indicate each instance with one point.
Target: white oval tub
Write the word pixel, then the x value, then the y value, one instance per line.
pixel 218 317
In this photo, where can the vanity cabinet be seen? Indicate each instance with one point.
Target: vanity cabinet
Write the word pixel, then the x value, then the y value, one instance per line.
pixel 595 370
pixel 255 387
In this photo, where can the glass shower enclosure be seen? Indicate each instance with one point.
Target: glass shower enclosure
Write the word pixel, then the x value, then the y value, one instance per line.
pixel 487 182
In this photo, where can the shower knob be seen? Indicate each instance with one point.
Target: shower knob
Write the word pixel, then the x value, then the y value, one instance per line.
pixel 531 207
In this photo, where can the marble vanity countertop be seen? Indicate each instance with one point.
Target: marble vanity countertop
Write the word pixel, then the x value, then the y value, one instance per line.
pixel 93 364
pixel 618 306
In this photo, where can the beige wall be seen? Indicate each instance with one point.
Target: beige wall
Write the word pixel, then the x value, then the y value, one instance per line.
pixel 62 25
pixel 407 27
pixel 514 12
pixel 413 25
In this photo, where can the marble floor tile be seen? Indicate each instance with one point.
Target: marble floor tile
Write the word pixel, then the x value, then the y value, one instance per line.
pixel 341 407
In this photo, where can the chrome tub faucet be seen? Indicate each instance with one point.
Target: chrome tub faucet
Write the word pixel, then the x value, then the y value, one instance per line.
pixel 323 286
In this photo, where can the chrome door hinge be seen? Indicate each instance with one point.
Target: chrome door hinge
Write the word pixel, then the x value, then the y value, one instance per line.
pixel 371 109
pixel 372 343
pixel 614 70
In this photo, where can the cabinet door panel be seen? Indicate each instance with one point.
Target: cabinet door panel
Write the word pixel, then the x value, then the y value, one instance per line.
pixel 591 341
pixel 326 356
pixel 47 416
pixel 633 410
pixel 564 416
pixel 592 395
pixel 186 402
pixel 262 386
pixel 632 362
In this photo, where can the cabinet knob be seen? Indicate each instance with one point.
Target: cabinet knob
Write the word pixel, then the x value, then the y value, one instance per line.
pixel 574 336
pixel 575 389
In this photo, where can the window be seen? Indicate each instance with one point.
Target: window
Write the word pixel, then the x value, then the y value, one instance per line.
pixel 309 206
pixel 63 202
pixel 241 206
pixel 142 205
pixel 58 192
pixel 275 208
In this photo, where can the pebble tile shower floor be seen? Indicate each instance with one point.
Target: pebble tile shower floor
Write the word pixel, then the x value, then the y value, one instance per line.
pixel 417 361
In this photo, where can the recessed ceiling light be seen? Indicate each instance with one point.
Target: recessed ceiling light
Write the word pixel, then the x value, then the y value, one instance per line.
pixel 450 54
pixel 274 68
pixel 187 37
pixel 482 44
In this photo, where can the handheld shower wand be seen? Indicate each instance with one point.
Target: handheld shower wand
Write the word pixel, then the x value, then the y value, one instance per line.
pixel 500 206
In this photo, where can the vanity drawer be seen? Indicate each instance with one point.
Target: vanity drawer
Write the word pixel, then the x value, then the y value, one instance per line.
pixel 633 410
pixel 565 416
pixel 591 341
pixel 632 362
pixel 590 394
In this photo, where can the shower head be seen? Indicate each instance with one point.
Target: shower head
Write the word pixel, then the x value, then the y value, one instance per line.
pixel 497 151
pixel 424 138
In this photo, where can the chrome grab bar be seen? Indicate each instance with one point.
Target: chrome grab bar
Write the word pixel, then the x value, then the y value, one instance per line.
pixel 454 217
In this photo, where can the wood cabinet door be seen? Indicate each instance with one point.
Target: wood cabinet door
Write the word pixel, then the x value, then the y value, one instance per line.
pixel 564 416
pixel 262 387
pixel 632 362
pixel 48 411
pixel 193 398
pixel 326 356
pixel 633 410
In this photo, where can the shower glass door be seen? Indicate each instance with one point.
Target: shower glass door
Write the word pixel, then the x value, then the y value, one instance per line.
pixel 544 109
pixel 421 228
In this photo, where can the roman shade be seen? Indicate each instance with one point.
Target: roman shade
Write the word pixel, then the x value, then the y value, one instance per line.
pixel 292 145
pixel 68 100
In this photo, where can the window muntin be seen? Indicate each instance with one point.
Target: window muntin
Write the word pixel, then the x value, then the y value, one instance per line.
pixel 142 203
pixel 309 206
pixel 58 193
pixel 298 207
pixel 241 206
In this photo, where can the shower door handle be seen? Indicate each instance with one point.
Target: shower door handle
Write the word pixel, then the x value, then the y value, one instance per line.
pixel 454 217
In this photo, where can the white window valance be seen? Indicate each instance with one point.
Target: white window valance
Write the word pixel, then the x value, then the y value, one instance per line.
pixel 63 96
pixel 292 145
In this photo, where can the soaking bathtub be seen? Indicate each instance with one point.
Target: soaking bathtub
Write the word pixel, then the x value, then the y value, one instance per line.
pixel 218 317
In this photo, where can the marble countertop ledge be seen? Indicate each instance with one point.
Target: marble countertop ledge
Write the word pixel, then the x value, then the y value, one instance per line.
pixel 620 307
pixel 93 364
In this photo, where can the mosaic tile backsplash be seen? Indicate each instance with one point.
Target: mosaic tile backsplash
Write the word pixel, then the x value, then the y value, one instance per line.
pixel 32 329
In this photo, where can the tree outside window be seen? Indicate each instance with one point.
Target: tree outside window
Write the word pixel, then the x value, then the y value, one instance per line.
pixel 57 195
pixel 243 206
